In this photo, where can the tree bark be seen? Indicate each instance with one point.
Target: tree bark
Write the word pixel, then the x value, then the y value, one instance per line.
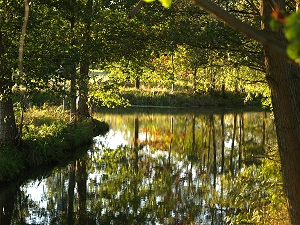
pixel 284 82
pixel 8 130
pixel 83 109
pixel 85 62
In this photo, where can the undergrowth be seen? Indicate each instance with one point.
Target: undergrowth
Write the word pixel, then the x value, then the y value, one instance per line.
pixel 47 138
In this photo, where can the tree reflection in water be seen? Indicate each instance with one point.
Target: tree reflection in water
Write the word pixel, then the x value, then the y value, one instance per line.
pixel 171 169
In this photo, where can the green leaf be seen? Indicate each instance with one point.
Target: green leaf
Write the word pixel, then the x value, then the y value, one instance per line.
pixel 166 3
pixel 292 31
pixel 293 50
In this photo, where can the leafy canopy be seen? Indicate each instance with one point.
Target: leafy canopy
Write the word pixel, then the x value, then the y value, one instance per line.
pixel 291 29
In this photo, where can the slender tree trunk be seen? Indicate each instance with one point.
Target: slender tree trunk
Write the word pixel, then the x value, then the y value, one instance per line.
pixel 284 82
pixel 194 79
pixel 137 82
pixel 83 109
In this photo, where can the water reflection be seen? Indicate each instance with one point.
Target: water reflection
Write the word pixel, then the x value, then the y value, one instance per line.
pixel 149 169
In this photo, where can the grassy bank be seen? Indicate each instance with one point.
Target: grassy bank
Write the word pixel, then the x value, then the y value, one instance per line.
pixel 47 139
pixel 187 100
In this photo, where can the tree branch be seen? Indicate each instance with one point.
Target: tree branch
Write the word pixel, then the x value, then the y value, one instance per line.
pixel 258 35
pixel 136 8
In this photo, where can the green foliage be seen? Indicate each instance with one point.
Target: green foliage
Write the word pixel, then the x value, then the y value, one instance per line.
pixel 46 139
pixel 292 33
pixel 162 50
pixel 179 99
pixel 49 143
pixel 106 92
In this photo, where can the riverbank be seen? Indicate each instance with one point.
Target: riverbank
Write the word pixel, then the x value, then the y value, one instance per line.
pixel 47 137
pixel 148 98
pixel 46 140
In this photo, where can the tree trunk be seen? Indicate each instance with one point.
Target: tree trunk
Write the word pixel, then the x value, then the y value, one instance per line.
pixel 284 82
pixel 85 62
pixel 8 130
pixel 83 109
pixel 194 79
pixel 137 82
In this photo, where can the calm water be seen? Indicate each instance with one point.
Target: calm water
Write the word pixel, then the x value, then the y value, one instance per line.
pixel 152 167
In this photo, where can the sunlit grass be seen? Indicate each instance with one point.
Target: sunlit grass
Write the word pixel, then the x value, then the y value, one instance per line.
pixel 45 115
pixel 47 138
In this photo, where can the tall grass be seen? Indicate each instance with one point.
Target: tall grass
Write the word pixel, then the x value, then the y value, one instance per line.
pixel 47 138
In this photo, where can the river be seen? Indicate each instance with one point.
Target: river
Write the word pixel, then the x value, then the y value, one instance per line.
pixel 154 166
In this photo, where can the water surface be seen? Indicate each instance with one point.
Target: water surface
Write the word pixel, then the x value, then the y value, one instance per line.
pixel 152 167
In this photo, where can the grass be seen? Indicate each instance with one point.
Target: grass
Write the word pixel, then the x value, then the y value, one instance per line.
pixel 47 139
pixel 147 97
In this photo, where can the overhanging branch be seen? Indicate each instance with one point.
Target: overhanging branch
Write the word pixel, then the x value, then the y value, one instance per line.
pixel 258 35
